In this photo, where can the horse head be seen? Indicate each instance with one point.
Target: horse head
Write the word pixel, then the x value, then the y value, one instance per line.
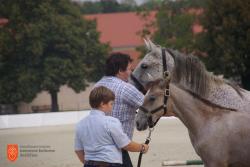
pixel 150 67
pixel 154 105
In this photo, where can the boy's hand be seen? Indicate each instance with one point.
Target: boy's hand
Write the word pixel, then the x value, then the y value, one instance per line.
pixel 144 148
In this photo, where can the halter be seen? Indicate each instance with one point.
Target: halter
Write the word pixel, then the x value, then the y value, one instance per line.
pixel 166 76
pixel 139 85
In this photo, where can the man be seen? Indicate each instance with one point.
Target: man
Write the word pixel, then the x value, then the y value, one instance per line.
pixel 127 97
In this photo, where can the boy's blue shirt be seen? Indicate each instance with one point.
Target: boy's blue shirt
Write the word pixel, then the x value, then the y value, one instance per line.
pixel 101 137
pixel 127 100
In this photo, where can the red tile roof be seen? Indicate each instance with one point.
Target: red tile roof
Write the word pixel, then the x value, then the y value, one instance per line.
pixel 195 11
pixel 121 29
pixel 3 21
pixel 197 28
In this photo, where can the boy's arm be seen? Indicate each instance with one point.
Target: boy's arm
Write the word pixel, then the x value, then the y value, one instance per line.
pixel 136 147
pixel 122 140
pixel 80 154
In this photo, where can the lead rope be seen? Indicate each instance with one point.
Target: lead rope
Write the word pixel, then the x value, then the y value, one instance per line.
pixel 148 139
pixel 165 75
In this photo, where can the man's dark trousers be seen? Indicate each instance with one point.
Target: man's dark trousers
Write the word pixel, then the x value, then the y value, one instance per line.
pixel 126 159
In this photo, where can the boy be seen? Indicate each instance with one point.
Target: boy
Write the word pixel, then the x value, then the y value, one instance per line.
pixel 100 138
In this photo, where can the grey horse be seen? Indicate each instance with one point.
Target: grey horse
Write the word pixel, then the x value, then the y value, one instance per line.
pixel 219 135
pixel 215 112
pixel 223 93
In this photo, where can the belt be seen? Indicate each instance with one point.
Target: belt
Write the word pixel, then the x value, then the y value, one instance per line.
pixel 102 164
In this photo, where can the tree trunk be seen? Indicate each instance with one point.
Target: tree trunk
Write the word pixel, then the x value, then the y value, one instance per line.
pixel 246 81
pixel 54 101
pixel 8 109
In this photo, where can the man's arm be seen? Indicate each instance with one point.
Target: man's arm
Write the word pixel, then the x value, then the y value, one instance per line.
pixel 132 96
pixel 80 154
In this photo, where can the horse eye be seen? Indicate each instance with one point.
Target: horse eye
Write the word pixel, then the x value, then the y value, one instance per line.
pixel 152 98
pixel 144 66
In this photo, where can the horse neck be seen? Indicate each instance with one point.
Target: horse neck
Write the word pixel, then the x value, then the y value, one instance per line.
pixel 187 109
pixel 226 96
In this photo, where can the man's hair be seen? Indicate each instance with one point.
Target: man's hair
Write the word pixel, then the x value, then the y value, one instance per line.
pixel 117 62
pixel 100 94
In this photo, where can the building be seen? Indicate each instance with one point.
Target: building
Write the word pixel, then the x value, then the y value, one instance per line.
pixel 122 32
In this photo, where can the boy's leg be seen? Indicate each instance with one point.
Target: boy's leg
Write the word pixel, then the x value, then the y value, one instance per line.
pixel 126 159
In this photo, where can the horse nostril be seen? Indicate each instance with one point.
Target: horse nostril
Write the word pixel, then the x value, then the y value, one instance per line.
pixel 152 98
pixel 144 66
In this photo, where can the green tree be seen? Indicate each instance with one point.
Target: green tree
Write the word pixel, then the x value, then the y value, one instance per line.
pixel 46 44
pixel 90 7
pixel 150 5
pixel 105 6
pixel 174 25
pixel 227 38
pixel 109 6
pixel 129 2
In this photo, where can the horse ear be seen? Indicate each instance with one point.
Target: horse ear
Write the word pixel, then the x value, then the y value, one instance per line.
pixel 152 45
pixel 147 44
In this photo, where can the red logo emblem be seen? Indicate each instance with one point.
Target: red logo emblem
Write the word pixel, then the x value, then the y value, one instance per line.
pixel 12 152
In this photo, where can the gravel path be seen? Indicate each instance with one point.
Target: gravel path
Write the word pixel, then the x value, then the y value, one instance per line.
pixel 52 146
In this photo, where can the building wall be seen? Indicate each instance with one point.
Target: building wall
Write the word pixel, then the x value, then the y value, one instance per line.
pixel 68 100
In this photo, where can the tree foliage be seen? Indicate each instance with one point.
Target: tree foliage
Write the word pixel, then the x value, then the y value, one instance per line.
pixel 46 44
pixel 113 6
pixel 227 38
pixel 105 6
pixel 174 25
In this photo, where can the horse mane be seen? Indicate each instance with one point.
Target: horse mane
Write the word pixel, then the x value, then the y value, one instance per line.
pixel 191 73
pixel 207 102
pixel 162 84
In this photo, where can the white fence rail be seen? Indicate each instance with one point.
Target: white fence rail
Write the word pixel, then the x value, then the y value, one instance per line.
pixel 41 119
pixel 44 119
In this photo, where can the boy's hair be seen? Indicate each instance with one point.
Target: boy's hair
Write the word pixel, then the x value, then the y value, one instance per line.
pixel 117 62
pixel 100 94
